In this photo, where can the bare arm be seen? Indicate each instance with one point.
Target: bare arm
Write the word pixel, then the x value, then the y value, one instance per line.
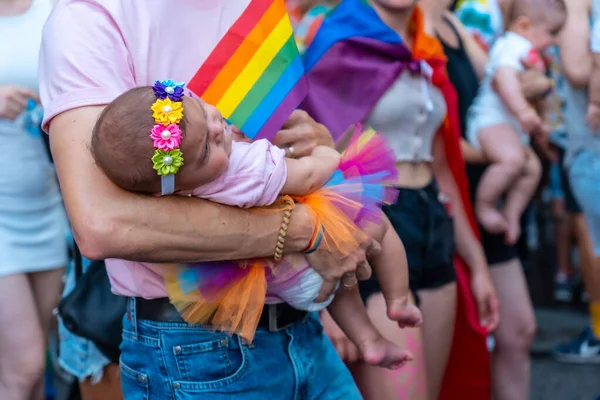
pixel 594 88
pixel 508 86
pixel 467 244
pixel 308 174
pixel 575 53
pixel 109 222
pixel 593 111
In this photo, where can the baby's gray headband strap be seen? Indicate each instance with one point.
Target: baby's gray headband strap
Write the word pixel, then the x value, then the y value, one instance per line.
pixel 167 184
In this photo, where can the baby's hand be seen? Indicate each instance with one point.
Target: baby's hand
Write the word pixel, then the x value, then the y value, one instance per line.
pixel 529 119
pixel 593 116
pixel 404 312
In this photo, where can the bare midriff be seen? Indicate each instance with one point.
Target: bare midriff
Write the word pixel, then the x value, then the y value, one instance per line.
pixel 414 175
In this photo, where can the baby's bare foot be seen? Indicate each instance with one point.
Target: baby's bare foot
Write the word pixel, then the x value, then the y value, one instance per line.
pixel 406 314
pixel 383 353
pixel 491 219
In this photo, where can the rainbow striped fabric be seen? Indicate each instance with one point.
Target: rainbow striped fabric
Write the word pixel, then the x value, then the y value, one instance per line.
pixel 255 75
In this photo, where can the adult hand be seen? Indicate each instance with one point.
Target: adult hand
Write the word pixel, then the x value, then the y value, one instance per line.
pixel 13 100
pixel 530 120
pixel 347 351
pixel 541 137
pixel 333 266
pixel 534 82
pixel 487 301
pixel 593 116
pixel 303 134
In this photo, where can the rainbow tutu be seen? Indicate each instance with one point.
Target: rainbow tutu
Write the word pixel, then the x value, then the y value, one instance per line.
pixel 229 296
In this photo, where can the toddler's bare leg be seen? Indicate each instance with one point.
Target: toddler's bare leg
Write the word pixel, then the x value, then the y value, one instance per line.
pixel 503 148
pixel 519 195
pixel 391 269
pixel 349 312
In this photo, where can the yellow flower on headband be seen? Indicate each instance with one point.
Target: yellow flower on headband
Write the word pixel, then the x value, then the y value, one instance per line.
pixel 167 112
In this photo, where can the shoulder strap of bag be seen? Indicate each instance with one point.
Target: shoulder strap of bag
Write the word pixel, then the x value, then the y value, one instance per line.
pixel 78 261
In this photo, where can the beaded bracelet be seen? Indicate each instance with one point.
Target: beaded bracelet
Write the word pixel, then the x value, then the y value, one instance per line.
pixel 315 240
pixel 285 224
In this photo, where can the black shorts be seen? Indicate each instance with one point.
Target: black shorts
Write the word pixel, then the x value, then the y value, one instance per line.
pixel 571 204
pixel 427 232
pixel 494 244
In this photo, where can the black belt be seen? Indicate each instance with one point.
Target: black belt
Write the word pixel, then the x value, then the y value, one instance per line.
pixel 274 317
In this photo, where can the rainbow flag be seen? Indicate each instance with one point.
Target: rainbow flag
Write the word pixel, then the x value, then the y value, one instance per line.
pixel 254 75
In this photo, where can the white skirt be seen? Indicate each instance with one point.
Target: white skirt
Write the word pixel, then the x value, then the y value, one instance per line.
pixel 33 240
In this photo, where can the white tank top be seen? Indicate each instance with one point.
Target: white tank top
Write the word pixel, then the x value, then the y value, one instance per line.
pixel 409 115
pixel 27 178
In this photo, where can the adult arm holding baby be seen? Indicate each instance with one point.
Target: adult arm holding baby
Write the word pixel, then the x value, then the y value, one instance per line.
pixel 110 222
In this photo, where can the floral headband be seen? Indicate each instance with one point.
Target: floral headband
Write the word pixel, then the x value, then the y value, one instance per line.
pixel 167 112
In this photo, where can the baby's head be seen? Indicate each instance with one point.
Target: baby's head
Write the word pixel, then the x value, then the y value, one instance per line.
pixel 539 21
pixel 123 148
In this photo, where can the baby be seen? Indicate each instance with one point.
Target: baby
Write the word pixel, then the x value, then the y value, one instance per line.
pixel 501 120
pixel 248 175
pixel 593 114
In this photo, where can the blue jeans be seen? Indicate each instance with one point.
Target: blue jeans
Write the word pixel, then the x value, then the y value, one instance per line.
pixel 177 361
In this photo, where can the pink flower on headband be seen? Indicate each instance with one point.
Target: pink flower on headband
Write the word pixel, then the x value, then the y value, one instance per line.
pixel 166 137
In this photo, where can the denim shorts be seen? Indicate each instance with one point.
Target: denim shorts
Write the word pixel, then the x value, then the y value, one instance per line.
pixel 555 184
pixel 79 356
pixel 427 232
pixel 585 181
pixel 177 361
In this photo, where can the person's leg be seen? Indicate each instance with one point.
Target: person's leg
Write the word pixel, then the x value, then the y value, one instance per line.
pixel 514 335
pixel 22 343
pixel 406 383
pixel 109 387
pixel 348 311
pixel 520 193
pixel 589 263
pixel 590 269
pixel 584 177
pixel 562 234
pixel 560 222
pixel 502 146
pixel 46 287
pixel 439 310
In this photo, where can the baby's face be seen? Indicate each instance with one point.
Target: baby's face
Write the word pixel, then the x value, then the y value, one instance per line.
pixel 205 146
pixel 543 34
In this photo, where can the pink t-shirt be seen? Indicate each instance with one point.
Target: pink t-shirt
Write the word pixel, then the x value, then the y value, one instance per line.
pixel 255 176
pixel 94 50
